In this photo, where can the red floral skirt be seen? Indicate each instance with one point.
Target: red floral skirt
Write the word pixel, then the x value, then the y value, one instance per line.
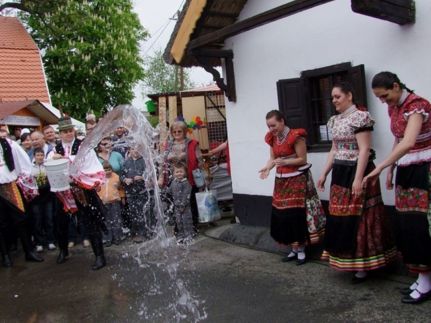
pixel 358 231
pixel 297 213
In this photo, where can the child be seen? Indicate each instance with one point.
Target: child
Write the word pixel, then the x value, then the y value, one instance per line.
pixel 110 194
pixel 42 207
pixel 132 177
pixel 180 190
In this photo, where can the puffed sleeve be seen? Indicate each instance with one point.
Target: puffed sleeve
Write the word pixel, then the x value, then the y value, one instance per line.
pixel 418 105
pixel 296 134
pixel 269 138
pixel 362 121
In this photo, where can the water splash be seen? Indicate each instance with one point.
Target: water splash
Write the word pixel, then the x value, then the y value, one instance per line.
pixel 158 259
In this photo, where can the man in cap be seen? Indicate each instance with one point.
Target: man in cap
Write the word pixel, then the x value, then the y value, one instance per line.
pixel 15 170
pixel 82 196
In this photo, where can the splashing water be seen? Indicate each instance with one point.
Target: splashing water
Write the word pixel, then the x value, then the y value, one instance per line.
pixel 159 258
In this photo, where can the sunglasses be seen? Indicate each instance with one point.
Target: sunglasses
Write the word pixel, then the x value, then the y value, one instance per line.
pixel 177 131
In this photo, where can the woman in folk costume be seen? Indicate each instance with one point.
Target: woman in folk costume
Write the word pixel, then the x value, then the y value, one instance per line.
pixel 87 176
pixel 411 155
pixel 358 232
pixel 297 214
pixel 15 171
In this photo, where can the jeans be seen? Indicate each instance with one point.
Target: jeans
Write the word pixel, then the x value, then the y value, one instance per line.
pixel 42 210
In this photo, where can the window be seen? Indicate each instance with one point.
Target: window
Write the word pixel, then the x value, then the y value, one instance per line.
pixel 306 101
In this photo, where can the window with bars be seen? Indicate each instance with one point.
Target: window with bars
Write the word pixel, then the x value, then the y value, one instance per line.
pixel 216 119
pixel 306 101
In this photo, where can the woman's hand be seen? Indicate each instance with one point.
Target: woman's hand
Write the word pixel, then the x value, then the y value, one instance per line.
pixel 264 172
pixel 57 156
pixel 128 181
pixel 280 162
pixel 389 179
pixel 372 177
pixel 357 187
pixel 321 183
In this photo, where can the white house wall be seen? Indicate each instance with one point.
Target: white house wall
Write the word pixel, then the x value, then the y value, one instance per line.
pixel 325 35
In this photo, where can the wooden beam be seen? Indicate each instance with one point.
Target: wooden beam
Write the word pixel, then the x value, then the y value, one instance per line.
pixel 222 14
pixel 285 10
pixel 204 59
pixel 209 52
pixel 400 12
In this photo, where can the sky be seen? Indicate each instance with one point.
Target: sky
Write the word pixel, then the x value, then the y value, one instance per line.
pixel 155 18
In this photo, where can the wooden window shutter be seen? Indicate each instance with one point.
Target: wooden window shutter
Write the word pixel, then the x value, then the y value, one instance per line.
pixel 357 78
pixel 291 102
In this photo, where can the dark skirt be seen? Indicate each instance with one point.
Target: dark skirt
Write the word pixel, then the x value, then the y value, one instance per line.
pixel 413 216
pixel 358 233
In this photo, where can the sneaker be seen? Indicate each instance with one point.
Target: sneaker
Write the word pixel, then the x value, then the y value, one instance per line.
pixel 71 244
pixel 86 243
pixel 39 248
pixel 51 246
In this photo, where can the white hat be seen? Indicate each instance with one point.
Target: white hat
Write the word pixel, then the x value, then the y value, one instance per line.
pixel 25 130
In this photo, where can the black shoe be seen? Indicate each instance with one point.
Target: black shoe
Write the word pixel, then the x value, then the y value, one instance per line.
pixel 358 280
pixel 116 242
pixel 99 263
pixel 62 257
pixel 31 256
pixel 289 258
pixel 107 244
pixel 300 262
pixel 7 262
pixel 422 298
pixel 406 290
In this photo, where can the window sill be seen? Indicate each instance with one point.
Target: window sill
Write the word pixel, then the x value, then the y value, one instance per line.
pixel 319 148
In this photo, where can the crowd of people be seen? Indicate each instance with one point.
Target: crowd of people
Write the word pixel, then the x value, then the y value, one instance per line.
pixel 110 198
pixel 359 235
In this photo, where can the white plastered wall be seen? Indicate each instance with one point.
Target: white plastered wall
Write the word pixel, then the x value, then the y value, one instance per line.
pixel 325 35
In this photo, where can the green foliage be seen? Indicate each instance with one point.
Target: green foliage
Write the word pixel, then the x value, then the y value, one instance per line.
pixel 163 78
pixel 90 51
pixel 153 120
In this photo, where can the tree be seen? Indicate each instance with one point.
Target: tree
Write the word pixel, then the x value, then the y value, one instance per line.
pixel 162 78
pixel 90 51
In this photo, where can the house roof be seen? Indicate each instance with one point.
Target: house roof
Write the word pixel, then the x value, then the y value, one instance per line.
pixel 36 107
pixel 21 72
pixel 198 18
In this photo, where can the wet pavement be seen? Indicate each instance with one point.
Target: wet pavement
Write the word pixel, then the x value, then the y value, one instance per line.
pixel 231 284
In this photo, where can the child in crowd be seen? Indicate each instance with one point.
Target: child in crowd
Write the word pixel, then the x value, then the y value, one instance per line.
pixel 132 177
pixel 180 190
pixel 110 194
pixel 42 207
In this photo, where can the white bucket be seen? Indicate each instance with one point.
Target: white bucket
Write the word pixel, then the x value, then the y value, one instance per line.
pixel 57 171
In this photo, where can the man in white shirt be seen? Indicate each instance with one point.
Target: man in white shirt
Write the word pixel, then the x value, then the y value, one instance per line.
pixel 15 169
pixel 88 175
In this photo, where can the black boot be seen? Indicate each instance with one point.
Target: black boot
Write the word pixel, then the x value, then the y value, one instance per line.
pixel 97 245
pixel 27 246
pixel 6 260
pixel 63 256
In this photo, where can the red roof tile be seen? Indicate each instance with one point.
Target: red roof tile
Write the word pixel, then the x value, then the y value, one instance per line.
pixel 21 70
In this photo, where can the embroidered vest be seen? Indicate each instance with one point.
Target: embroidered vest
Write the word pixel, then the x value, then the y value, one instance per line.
pixel 59 149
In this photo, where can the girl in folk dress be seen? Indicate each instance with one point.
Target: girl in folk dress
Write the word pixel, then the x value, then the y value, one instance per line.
pixel 358 236
pixel 411 154
pixel 297 214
